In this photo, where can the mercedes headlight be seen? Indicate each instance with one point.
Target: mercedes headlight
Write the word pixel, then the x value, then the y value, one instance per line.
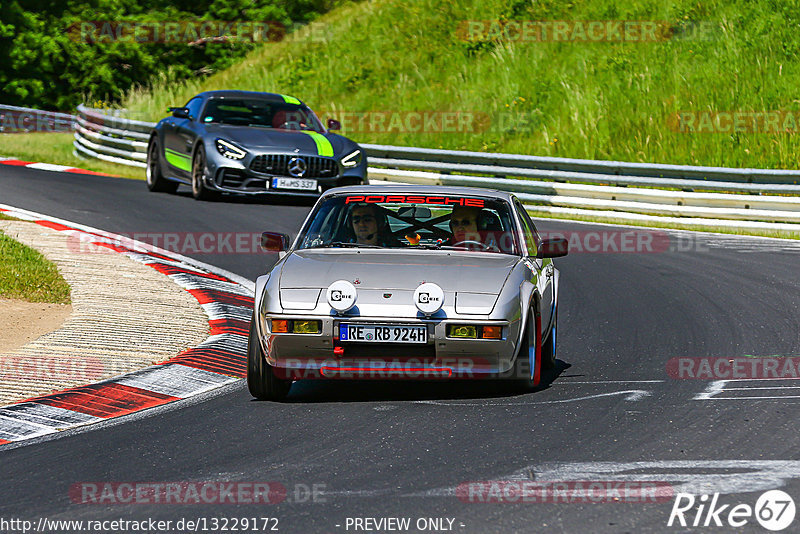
pixel 352 159
pixel 229 150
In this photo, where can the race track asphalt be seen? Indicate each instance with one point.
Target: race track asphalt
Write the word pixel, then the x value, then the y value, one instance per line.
pixel 377 449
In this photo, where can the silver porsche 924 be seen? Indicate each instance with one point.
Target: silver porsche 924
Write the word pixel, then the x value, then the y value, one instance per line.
pixel 415 282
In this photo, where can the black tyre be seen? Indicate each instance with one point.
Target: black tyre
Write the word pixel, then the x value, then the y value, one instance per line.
pixel 199 189
pixel 261 380
pixel 155 179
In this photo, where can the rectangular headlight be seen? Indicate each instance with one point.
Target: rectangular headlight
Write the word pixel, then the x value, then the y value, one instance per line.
pixel 468 331
pixel 462 331
pixel 296 326
pixel 491 332
pixel 280 326
pixel 306 327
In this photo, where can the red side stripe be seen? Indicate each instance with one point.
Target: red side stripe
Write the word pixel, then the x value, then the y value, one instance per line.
pixel 160 256
pixel 174 269
pixel 239 371
pixel 214 360
pixel 54 225
pixel 229 326
pixel 106 400
pixel 4 441
pixel 16 162
pixel 84 171
pixel 205 296
pixel 112 246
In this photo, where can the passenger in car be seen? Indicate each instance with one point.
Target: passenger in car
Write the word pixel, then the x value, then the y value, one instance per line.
pixel 464 224
pixel 472 226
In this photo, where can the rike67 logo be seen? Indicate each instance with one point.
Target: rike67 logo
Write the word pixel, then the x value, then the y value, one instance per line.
pixel 774 510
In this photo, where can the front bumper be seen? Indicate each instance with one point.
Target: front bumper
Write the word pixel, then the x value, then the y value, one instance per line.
pixel 230 176
pixel 324 355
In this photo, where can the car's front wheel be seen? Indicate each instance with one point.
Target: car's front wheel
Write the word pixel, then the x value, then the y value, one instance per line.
pixel 261 379
pixel 549 346
pixel 155 179
pixel 526 375
pixel 199 189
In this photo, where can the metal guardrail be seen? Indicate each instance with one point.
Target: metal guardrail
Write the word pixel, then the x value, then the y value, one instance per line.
pixel 515 165
pixel 648 201
pixel 546 184
pixel 17 119
pixel 111 137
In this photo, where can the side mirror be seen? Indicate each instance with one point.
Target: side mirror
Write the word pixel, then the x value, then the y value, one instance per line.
pixel 180 113
pixel 274 242
pixel 333 124
pixel 553 248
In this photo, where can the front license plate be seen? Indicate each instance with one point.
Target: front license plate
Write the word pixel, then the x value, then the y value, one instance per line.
pixel 304 184
pixel 383 333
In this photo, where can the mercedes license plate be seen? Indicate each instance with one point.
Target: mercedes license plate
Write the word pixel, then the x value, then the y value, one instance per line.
pixel 304 184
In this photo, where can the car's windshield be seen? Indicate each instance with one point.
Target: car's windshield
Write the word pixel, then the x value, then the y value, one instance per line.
pixel 261 113
pixel 426 222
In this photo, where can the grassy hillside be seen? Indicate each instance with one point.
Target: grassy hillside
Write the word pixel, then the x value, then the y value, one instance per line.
pixel 570 97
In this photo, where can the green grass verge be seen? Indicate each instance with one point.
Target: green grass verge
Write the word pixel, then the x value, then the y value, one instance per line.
pixel 573 98
pixel 57 148
pixel 26 274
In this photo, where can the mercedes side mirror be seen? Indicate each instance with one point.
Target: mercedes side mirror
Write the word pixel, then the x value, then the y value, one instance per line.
pixel 274 242
pixel 553 247
pixel 333 124
pixel 180 113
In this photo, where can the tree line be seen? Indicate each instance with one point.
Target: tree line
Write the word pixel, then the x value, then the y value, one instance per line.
pixel 55 55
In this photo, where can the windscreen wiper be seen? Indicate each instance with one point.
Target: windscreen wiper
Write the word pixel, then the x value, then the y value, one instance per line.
pixel 345 245
pixel 436 246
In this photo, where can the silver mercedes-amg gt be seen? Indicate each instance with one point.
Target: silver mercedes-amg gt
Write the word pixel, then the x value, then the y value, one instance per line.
pixel 406 282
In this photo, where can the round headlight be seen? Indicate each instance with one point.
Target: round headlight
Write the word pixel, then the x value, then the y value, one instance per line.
pixel 429 298
pixel 341 295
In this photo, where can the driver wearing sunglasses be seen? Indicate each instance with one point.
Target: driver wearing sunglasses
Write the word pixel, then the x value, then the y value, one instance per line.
pixel 464 224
